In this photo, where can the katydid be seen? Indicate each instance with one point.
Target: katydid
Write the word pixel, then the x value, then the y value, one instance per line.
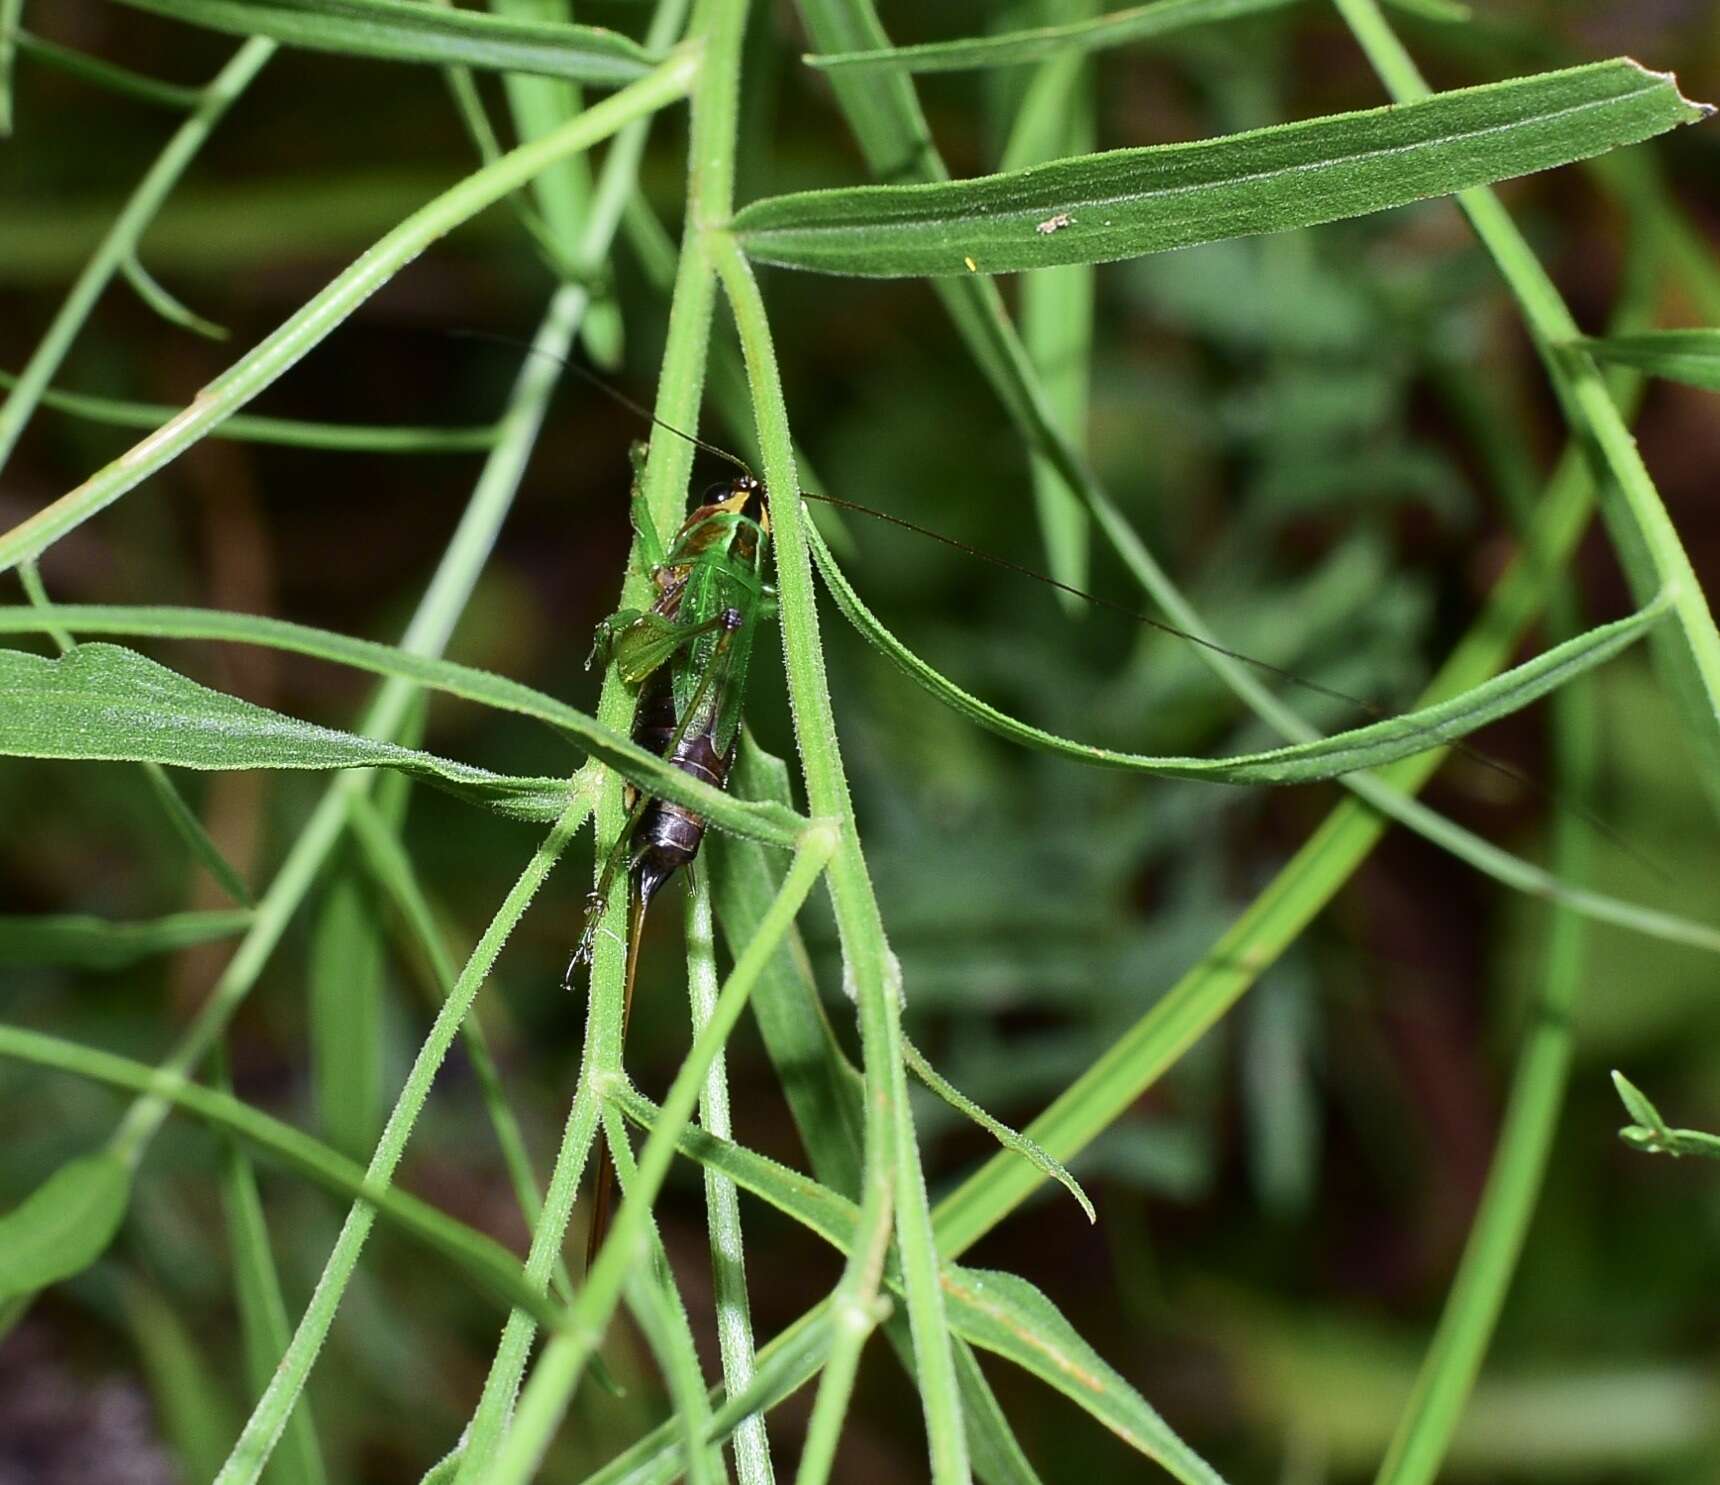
pixel 687 657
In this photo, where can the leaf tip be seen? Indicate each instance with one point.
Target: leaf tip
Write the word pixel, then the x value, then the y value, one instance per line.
pixel 1699 109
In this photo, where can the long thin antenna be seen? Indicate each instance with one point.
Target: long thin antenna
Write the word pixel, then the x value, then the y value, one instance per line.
pixel 613 393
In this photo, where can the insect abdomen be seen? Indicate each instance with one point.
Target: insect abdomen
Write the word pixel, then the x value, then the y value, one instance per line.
pixel 668 834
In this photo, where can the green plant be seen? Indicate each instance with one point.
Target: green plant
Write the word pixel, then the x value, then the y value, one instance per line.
pixel 1056 209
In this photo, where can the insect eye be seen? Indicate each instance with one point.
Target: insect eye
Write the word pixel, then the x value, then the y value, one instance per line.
pixel 715 493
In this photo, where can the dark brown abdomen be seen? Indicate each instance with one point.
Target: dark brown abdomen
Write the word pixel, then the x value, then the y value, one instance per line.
pixel 668 834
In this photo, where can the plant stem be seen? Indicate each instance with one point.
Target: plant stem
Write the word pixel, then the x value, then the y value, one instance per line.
pixel 1500 1228
pixel 121 239
pixel 892 1177
pixel 558 1371
pixel 722 1198
pixel 257 1440
pixel 665 481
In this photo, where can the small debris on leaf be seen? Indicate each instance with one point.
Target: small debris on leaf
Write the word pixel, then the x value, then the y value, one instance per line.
pixel 1055 223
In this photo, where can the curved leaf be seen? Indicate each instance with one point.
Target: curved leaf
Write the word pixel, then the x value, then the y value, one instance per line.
pixel 400 31
pixel 1005 1314
pixel 1691 356
pixel 64 1225
pixel 1298 763
pixel 81 941
pixel 1035 43
pixel 105 702
pixel 1122 203
pixel 997 1312
pixel 772 823
pixel 293 432
pixel 87 1200
pixel 1652 1133
pixel 1009 1138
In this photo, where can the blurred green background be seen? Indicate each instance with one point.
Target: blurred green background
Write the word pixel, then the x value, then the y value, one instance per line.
pixel 1291 422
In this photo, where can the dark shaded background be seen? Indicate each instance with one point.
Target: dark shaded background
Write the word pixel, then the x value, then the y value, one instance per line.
pixel 1279 1218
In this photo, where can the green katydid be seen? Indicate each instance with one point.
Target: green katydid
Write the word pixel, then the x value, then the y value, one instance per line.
pixel 687 655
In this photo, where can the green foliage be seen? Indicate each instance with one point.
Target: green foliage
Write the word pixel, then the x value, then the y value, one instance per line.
pixel 1123 203
pixel 1691 356
pixel 104 702
pixel 1039 43
pixel 1306 428
pixel 403 32
pixel 64 1225
pixel 1652 1133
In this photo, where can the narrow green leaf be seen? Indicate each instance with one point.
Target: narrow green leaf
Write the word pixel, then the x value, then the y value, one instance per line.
pixel 772 823
pixel 1444 12
pixel 186 825
pixel 292 432
pixel 346 967
pixel 1058 119
pixel 81 941
pixel 1035 44
pixel 1651 1132
pixel 997 1454
pixel 194 1414
pixel 104 702
pixel 809 1203
pixel 1691 356
pixel 64 1225
pixel 401 31
pixel 823 1088
pixel 997 1312
pixel 1637 1105
pixel 1344 752
pixel 263 1326
pixel 11 12
pixel 1123 203
pixel 1644 537
pixel 1005 1314
pixel 171 309
pixel 121 80
pixel 1010 1139
pixel 64 1218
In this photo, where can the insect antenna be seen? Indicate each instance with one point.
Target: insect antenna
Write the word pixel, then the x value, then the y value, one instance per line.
pixel 613 393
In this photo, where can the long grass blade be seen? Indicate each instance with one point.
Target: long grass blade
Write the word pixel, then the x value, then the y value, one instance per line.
pixel 1689 356
pixel 1372 746
pixel 123 676
pixel 399 31
pixel 1123 203
pixel 288 432
pixel 1043 43
pixel 83 941
pixel 1057 118
pixel 102 74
